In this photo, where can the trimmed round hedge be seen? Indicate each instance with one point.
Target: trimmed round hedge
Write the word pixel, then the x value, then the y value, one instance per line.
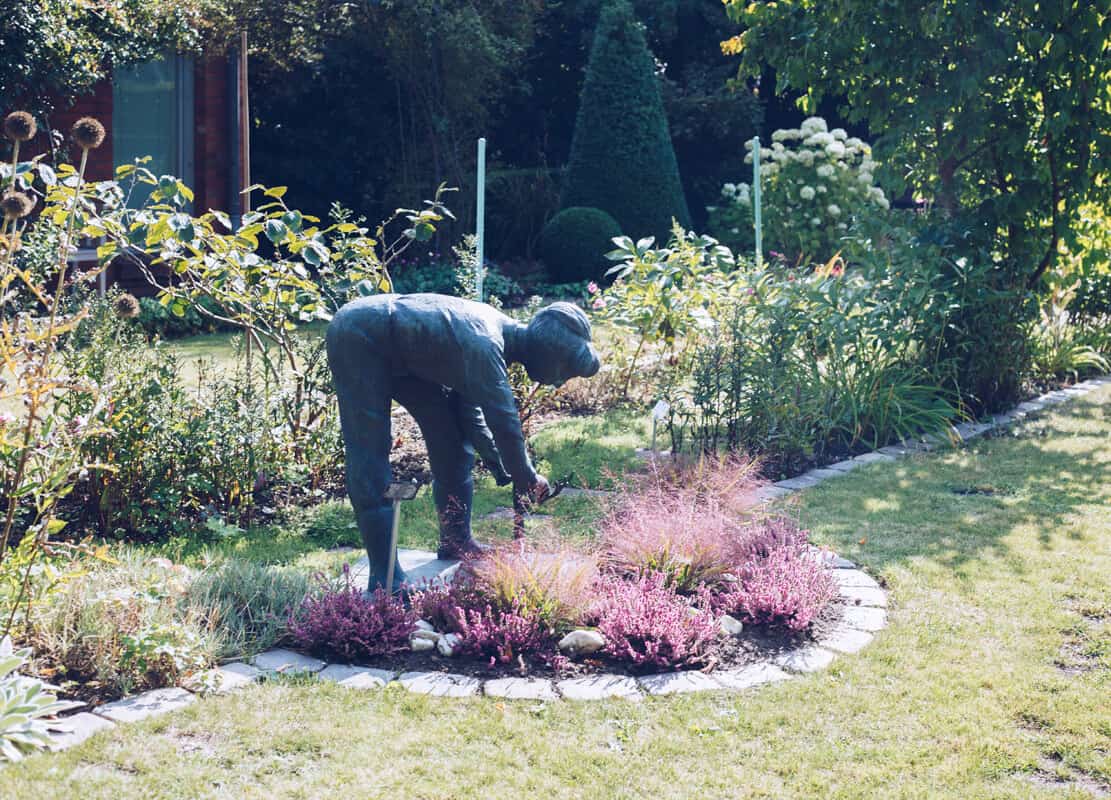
pixel 574 243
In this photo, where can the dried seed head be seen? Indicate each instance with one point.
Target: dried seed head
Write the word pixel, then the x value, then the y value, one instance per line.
pixel 19 126
pixel 88 133
pixel 16 205
pixel 127 307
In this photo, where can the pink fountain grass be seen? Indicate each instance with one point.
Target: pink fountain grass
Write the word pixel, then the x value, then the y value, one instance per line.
pixel 686 524
pixel 649 625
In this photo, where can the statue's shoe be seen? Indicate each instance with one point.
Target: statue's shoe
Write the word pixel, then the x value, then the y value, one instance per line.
pixel 458 549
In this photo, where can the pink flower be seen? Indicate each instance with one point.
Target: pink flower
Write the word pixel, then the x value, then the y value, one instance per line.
pixel 599 303
pixel 592 287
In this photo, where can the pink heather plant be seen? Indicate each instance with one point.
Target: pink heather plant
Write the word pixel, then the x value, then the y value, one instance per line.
pixel 686 524
pixel 780 581
pixel 347 626
pixel 647 624
pixel 505 637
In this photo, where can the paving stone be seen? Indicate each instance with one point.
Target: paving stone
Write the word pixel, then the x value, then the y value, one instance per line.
pixel 864 595
pixel 147 704
pixel 855 577
pixel 678 683
pixel 864 618
pixel 224 679
pixel 520 689
pixel 354 677
pixel 766 494
pixel 79 727
pixel 287 662
pixel 872 458
pixel 824 474
pixel 440 684
pixel 848 465
pixel 798 482
pixel 844 639
pixel 599 687
pixel 750 675
pixel 805 659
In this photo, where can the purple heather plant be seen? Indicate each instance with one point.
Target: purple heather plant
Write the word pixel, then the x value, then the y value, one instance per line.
pixel 780 581
pixel 649 625
pixel 346 625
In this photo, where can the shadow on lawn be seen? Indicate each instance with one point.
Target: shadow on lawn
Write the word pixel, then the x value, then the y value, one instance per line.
pixel 955 507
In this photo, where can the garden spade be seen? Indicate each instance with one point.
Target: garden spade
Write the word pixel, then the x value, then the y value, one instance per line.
pixel 396 493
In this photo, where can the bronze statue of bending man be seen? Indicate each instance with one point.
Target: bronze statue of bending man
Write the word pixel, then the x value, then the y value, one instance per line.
pixel 445 360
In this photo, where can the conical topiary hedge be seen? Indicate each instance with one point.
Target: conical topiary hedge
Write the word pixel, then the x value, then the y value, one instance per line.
pixel 621 159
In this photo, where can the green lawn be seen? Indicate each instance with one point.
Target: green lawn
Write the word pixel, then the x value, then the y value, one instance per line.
pixel 993 679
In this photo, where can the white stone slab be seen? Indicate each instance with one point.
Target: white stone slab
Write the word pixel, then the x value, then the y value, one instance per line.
pixel 79 727
pixel 683 682
pixel 864 618
pixel 286 662
pixel 354 677
pixel 805 659
pixel 844 639
pixel 864 596
pixel 855 577
pixel 599 687
pixel 872 458
pixel 147 704
pixel 520 689
pixel 798 482
pixel 440 684
pixel 750 675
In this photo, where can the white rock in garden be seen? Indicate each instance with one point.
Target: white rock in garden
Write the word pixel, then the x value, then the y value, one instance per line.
pixel 447 644
pixel 730 626
pixel 420 645
pixel 581 643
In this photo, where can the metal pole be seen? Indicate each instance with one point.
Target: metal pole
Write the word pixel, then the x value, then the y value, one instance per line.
pixel 756 201
pixel 393 544
pixel 480 219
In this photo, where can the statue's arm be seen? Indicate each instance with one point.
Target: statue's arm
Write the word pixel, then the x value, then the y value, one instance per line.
pixel 473 424
pixel 490 390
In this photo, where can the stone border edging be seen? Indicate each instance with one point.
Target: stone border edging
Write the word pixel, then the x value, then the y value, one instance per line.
pixel 865 615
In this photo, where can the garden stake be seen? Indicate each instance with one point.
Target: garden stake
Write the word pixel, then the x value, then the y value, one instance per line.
pixel 397 492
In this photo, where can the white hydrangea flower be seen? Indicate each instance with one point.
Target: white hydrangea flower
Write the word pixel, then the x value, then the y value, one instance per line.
pixel 820 139
pixel 825 170
pixel 839 133
pixel 806 192
pixel 834 210
pixel 814 125
pixel 835 149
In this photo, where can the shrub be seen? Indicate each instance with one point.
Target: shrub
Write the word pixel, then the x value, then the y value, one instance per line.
pixel 345 624
pixel 780 581
pixel 24 705
pixel 621 157
pixel 506 636
pixel 246 606
pixel 647 624
pixel 815 181
pixel 574 243
pixel 552 587
pixel 682 527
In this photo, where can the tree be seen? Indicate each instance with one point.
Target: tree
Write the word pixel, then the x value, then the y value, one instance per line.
pixel 621 158
pixel 52 51
pixel 994 109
